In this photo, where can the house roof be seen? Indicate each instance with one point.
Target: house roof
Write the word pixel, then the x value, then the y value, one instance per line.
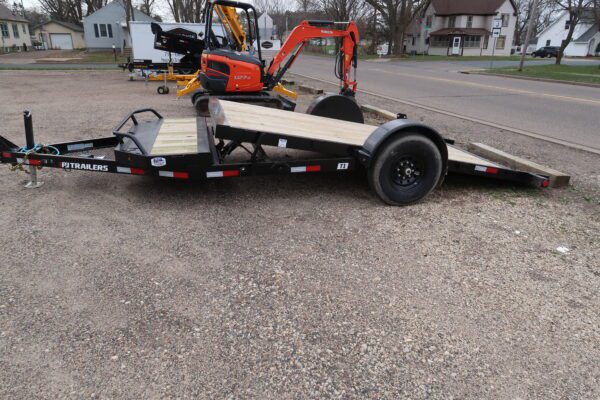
pixel 461 31
pixel 587 35
pixel 468 7
pixel 7 15
pixel 119 3
pixel 67 25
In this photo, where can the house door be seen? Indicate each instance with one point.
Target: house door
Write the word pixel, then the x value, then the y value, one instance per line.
pixel 456 46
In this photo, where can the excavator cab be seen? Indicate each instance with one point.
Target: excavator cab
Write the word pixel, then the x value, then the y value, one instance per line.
pixel 231 69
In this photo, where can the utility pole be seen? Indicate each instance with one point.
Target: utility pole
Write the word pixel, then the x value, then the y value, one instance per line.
pixel 532 17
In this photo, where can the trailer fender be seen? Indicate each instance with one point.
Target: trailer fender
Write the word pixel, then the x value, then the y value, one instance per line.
pixel 397 127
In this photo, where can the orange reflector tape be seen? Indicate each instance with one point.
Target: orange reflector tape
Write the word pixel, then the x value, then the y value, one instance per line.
pixel 221 174
pixel 173 174
pixel 307 168
pixel 487 170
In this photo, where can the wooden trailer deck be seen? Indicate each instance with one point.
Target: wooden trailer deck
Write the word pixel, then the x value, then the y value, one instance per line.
pixel 179 136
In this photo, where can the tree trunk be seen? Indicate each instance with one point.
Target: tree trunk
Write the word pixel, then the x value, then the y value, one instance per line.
pixel 565 43
pixel 399 40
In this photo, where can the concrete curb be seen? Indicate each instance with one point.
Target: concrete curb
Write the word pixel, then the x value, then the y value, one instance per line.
pixel 310 89
pixel 379 111
pixel 528 78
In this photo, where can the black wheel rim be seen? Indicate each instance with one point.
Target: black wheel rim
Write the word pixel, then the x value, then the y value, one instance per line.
pixel 407 171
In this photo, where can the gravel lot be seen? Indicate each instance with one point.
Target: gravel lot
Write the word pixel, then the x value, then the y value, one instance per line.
pixel 288 287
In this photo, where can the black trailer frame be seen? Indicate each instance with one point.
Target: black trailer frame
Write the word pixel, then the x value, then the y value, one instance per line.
pixel 216 142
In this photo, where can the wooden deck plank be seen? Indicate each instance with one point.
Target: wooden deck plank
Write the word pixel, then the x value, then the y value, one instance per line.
pixel 176 136
pixel 456 154
pixel 556 178
pixel 286 123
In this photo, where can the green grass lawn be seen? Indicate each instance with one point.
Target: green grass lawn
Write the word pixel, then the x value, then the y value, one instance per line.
pixel 446 58
pixel 573 73
pixel 98 57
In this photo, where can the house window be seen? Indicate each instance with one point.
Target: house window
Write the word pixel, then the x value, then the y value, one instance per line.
pixel 472 41
pixel 548 42
pixel 505 19
pixel 24 28
pixel 439 41
pixel 486 40
pixel 413 40
pixel 470 21
pixel 567 24
pixel 500 42
pixel 103 30
pixel 4 28
pixel 428 21
pixel 15 30
pixel 451 21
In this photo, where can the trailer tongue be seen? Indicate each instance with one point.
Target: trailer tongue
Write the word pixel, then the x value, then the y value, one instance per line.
pixel 404 159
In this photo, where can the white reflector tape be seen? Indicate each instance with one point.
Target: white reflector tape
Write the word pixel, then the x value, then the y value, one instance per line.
pixel 480 168
pixel 214 174
pixel 79 146
pixel 298 169
pixel 124 170
pixel 166 174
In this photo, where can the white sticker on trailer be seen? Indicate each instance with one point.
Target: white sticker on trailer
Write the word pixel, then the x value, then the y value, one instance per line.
pixel 294 170
pixel 480 168
pixel 282 143
pixel 343 165
pixel 79 146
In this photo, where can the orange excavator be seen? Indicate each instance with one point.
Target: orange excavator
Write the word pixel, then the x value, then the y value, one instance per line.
pixel 230 74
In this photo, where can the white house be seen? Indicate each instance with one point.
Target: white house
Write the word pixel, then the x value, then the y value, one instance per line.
pixel 14 31
pixel 107 27
pixel 586 37
pixel 462 28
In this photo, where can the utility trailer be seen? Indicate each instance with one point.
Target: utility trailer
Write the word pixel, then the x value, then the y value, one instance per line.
pixel 404 159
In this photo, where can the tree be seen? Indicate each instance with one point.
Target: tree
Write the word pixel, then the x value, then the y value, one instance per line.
pixel 305 5
pixel 70 10
pixel 576 10
pixel 544 14
pixel 186 10
pixel 147 7
pixel 397 15
pixel 342 10
pixel 35 17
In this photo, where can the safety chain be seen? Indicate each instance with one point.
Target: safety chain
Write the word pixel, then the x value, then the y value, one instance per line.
pixel 36 149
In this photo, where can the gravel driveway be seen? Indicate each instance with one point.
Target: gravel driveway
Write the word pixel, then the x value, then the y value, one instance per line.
pixel 288 287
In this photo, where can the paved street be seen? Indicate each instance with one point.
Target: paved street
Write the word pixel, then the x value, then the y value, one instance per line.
pixel 559 111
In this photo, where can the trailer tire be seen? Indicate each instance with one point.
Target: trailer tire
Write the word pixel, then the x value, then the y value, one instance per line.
pixel 406 169
pixel 163 90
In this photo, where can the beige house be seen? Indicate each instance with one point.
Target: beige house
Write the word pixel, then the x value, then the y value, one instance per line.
pixel 60 35
pixel 14 32
pixel 463 28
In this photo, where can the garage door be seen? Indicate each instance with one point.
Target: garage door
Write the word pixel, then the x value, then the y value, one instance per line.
pixel 61 41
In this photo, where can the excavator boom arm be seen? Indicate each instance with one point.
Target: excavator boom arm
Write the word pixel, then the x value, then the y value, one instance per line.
pixel 308 30
pixel 232 24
